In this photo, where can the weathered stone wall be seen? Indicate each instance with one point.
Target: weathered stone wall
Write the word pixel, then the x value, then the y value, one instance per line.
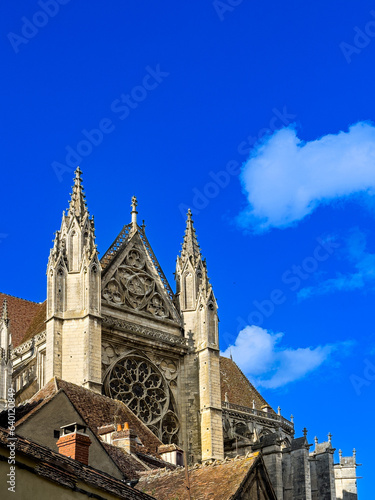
pixel 322 476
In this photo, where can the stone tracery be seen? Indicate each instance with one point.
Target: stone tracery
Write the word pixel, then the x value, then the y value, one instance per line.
pixel 134 286
pixel 138 383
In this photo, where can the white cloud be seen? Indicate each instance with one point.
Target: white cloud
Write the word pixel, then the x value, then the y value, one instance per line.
pixel 286 179
pixel 362 275
pixel 268 364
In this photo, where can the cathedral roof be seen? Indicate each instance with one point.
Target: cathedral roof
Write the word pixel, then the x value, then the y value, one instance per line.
pixel 21 314
pixel 37 324
pixel 220 480
pixel 237 387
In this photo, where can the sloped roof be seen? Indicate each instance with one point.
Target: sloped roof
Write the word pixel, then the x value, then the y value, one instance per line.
pixel 98 410
pixel 21 314
pixel 132 466
pixel 37 324
pixel 238 388
pixel 67 471
pixel 220 480
pixel 128 464
pixel 21 413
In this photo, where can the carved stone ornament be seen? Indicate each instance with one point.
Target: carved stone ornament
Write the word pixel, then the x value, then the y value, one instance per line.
pixel 109 353
pixel 134 286
pixel 168 338
pixel 169 369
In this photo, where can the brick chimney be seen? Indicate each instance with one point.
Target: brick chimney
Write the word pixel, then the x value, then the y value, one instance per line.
pixel 125 438
pixel 74 442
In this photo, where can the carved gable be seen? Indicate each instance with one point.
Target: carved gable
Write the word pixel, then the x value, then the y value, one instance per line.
pixel 133 282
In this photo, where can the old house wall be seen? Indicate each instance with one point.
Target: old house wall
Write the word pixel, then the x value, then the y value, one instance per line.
pixel 43 428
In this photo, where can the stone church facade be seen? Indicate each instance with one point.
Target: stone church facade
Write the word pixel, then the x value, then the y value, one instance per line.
pixel 115 327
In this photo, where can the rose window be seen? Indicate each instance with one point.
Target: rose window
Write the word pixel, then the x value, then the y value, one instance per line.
pixel 139 384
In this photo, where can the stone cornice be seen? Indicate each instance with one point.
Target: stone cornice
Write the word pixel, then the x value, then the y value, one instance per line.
pixel 165 337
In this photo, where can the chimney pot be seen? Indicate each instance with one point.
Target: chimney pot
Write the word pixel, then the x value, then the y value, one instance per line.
pixel 126 439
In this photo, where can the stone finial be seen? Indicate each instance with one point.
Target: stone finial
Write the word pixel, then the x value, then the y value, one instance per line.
pixel 134 210
pixel 354 453
pixel 316 441
pixel 279 410
pixel 190 245
pixel 253 404
pixel 226 398
pixel 329 438
pixel 143 227
pixel 4 314
pixel 304 430
pixel 292 419
pixel 340 454
pixel 77 205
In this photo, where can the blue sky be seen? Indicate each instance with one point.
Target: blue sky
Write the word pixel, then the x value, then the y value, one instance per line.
pixel 256 116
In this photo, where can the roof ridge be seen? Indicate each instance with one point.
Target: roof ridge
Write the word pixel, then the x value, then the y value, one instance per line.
pixel 203 465
pixel 20 298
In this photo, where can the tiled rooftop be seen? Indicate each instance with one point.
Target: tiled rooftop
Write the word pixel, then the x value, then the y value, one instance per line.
pixel 219 480
pixel 98 410
pixel 238 388
pixel 66 471
pixel 21 314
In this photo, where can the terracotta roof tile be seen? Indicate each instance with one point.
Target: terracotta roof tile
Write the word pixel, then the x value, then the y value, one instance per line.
pixel 129 465
pixel 37 324
pixel 238 388
pixel 21 314
pixel 217 481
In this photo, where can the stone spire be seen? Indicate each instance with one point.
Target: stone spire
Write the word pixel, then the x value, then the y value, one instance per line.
pixel 4 314
pixel 76 237
pixel 5 356
pixel 190 245
pixel 77 204
pixel 198 308
pixel 73 298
